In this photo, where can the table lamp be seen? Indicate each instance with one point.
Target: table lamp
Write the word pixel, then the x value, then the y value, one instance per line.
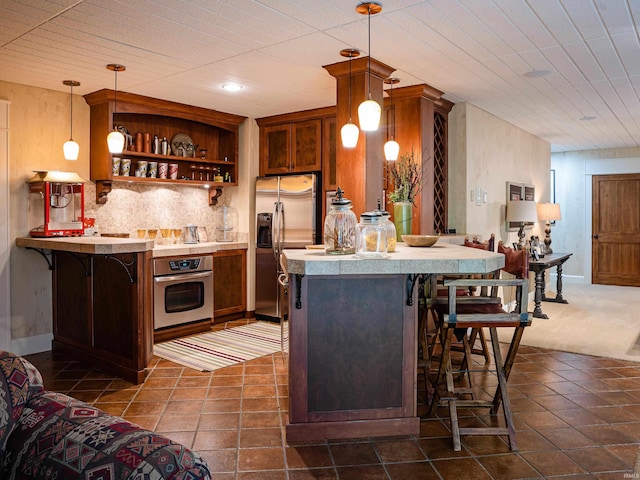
pixel 548 212
pixel 521 211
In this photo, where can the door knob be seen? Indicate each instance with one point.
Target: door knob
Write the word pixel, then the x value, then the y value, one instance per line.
pixel 595 235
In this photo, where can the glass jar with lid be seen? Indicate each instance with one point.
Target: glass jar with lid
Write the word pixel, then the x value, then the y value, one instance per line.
pixel 340 227
pixel 391 229
pixel 371 236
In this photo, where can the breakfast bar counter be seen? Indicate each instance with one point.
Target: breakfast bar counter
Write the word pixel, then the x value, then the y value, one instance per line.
pixel 102 289
pixel 353 337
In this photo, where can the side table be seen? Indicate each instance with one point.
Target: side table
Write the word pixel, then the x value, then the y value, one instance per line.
pixel 539 267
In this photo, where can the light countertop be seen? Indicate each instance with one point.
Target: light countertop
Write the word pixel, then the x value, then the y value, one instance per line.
pixel 97 245
pixel 443 258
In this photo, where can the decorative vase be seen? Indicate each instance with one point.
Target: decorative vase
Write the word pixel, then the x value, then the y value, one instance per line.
pixel 402 218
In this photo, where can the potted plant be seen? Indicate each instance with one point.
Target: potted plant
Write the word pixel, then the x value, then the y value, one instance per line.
pixel 406 178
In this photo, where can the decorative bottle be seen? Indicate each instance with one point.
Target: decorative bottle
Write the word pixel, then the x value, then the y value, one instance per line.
pixel 340 227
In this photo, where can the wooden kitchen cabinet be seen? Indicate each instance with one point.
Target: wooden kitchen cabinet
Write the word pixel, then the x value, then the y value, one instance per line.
pixel 329 154
pixel 210 130
pixel 292 148
pixel 294 143
pixel 102 310
pixel 229 285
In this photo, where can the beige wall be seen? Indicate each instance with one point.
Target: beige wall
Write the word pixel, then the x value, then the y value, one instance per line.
pixel 485 153
pixel 39 126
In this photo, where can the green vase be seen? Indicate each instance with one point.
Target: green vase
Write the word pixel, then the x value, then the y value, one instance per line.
pixel 402 218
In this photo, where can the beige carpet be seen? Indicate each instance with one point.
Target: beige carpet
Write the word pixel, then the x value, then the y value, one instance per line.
pixel 599 320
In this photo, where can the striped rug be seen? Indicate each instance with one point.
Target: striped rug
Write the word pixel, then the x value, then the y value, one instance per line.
pixel 212 350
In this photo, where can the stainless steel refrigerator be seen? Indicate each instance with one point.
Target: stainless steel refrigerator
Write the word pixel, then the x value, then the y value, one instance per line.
pixel 286 217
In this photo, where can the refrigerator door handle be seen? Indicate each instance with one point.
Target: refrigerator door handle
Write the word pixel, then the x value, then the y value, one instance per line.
pixel 275 234
pixel 283 226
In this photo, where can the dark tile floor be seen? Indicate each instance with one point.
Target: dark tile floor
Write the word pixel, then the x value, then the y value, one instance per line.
pixel 576 417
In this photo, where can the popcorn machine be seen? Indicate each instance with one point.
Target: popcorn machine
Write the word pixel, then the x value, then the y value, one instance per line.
pixel 56 204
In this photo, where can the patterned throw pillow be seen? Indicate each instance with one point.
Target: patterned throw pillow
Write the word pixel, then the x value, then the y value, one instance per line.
pixel 19 381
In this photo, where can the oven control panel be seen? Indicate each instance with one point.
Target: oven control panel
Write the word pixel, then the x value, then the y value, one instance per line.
pixel 184 264
pixel 180 265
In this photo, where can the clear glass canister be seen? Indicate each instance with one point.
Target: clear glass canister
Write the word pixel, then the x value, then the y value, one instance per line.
pixel 371 236
pixel 391 231
pixel 340 227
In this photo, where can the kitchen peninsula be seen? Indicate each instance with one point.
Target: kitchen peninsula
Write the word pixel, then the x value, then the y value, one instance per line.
pixel 353 337
pixel 103 296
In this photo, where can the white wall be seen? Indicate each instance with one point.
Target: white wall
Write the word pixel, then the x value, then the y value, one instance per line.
pixel 485 153
pixel 574 171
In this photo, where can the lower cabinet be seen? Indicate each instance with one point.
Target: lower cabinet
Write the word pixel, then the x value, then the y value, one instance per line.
pixel 229 285
pixel 101 310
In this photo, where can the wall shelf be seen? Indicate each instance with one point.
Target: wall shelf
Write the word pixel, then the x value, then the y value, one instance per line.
pixel 216 132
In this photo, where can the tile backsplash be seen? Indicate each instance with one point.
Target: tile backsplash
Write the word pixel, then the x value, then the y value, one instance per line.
pixel 133 206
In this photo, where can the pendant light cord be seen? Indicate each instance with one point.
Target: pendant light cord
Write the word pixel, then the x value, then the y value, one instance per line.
pixel 115 98
pixel 393 109
pixel 71 116
pixel 369 59
pixel 350 58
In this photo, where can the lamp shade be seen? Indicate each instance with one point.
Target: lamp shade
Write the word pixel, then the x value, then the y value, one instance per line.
pixel 369 113
pixel 71 150
pixel 115 141
pixel 391 150
pixel 549 212
pixel 349 134
pixel 522 211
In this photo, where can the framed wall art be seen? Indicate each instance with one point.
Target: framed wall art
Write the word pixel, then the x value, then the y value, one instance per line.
pixel 517 192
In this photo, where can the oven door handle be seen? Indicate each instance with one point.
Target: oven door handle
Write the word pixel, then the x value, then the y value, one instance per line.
pixel 183 277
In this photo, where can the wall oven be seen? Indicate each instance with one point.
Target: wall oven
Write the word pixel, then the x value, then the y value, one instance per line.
pixel 182 290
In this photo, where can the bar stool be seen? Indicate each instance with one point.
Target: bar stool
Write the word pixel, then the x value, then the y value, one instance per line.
pixel 446 392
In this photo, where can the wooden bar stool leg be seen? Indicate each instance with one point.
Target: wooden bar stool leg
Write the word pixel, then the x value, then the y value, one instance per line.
pixel 502 388
pixel 455 427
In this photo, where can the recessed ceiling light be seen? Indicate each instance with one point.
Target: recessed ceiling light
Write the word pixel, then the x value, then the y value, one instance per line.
pixel 587 118
pixel 232 87
pixel 536 73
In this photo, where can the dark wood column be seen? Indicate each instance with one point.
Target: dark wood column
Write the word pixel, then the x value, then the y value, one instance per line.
pixel 414 131
pixel 360 169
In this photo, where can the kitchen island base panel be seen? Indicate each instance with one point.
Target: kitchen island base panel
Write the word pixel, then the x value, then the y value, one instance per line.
pixel 352 353
pixel 386 427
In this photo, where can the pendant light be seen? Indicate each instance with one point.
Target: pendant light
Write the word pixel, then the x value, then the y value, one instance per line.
pixel 392 148
pixel 115 139
pixel 369 111
pixel 349 131
pixel 71 148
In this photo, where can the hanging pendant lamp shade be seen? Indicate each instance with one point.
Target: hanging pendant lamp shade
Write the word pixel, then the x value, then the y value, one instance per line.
pixel 349 132
pixel 392 148
pixel 71 149
pixel 115 139
pixel 369 111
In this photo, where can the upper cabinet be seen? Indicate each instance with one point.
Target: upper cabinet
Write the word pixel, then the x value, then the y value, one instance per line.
pixel 201 144
pixel 293 143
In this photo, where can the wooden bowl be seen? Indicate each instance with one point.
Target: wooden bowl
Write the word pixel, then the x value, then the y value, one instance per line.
pixel 420 240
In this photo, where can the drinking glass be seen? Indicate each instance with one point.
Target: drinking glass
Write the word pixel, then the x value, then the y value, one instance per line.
pixel 177 233
pixel 152 232
pixel 141 232
pixel 166 233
